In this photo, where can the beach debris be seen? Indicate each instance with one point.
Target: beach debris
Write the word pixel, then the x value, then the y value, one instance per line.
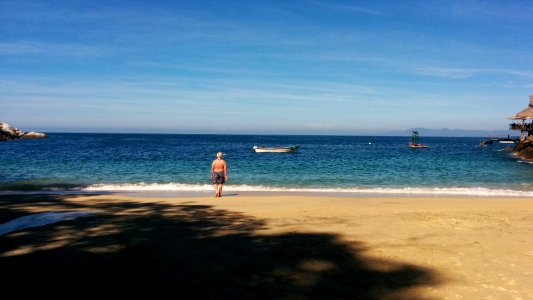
pixel 8 132
pixel 35 220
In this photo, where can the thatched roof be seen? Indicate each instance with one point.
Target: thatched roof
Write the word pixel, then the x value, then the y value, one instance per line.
pixel 526 113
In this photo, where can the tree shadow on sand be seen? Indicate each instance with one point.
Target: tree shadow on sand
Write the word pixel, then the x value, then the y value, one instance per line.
pixel 186 251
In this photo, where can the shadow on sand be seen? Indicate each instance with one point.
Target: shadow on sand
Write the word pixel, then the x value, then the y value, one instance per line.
pixel 186 251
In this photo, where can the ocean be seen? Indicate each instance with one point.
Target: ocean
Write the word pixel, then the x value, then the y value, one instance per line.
pixel 361 165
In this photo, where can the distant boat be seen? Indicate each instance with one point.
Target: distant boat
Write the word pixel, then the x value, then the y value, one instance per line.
pixel 501 140
pixel 260 149
pixel 507 142
pixel 413 143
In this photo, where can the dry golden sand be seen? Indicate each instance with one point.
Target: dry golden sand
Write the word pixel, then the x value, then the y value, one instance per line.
pixel 275 247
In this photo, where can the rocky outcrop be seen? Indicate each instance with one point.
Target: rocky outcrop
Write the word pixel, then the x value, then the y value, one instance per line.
pixel 8 132
pixel 525 149
pixel 34 135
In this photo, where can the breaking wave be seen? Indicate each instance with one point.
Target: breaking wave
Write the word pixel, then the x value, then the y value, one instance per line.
pixel 179 187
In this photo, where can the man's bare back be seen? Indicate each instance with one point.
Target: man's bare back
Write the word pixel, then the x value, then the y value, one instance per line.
pixel 219 165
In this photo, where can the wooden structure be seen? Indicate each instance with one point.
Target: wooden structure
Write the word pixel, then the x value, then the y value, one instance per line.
pixel 526 126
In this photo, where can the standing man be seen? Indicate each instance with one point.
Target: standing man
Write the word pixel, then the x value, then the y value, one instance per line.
pixel 219 174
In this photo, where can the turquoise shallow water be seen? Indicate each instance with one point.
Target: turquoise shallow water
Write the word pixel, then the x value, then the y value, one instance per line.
pixel 356 164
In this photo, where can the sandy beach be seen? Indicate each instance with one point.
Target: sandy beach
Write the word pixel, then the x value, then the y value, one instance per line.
pixel 271 246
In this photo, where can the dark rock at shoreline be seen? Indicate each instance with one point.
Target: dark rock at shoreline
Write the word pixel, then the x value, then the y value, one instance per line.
pixel 525 149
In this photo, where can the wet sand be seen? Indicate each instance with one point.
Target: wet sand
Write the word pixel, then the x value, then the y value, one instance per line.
pixel 272 246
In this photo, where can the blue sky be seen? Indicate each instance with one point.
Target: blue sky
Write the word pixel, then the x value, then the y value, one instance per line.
pixel 284 67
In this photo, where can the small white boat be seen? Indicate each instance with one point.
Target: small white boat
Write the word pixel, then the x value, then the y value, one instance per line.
pixel 259 149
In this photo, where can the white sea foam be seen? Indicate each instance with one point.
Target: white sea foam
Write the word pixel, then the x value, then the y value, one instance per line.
pixel 178 187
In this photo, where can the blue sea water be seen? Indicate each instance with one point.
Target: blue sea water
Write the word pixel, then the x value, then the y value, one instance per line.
pixel 338 164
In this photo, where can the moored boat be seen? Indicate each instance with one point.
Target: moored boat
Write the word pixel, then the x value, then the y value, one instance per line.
pixel 413 143
pixel 260 149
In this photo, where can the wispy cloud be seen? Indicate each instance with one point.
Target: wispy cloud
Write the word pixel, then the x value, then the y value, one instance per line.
pixel 40 11
pixel 351 8
pixel 23 48
pixel 459 73
pixel 511 11
pixel 453 73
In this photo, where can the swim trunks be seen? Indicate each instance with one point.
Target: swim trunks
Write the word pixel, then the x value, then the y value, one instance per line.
pixel 218 178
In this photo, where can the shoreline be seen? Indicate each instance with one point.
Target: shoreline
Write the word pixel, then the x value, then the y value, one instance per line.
pixel 276 245
pixel 232 194
pixel 169 190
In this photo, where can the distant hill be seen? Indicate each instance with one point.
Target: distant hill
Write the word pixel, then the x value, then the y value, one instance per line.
pixel 446 132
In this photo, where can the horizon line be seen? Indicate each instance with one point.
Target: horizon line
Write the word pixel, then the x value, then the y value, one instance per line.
pixel 386 134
